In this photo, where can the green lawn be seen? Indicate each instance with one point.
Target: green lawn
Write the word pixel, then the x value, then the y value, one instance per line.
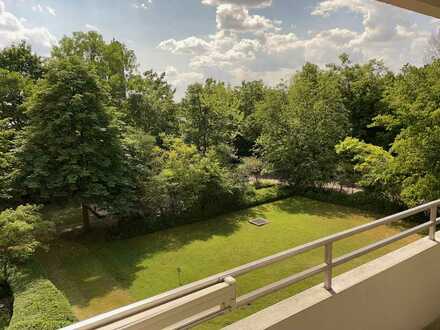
pixel 98 275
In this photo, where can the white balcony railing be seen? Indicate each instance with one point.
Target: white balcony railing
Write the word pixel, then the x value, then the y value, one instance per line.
pixel 205 299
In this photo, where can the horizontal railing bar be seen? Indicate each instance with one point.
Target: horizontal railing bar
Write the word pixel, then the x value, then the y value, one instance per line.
pixel 377 245
pixel 261 292
pixel 199 318
pixel 179 292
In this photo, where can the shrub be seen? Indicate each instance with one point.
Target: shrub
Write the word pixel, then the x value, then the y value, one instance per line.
pixel 360 200
pixel 22 232
pixel 141 225
pixel 188 184
pixel 37 302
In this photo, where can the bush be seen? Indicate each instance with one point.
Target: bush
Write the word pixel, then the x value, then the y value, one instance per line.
pixel 188 184
pixel 360 200
pixel 37 302
pixel 143 225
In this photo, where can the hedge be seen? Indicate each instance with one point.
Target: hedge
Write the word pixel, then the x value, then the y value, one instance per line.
pixel 38 304
pixel 361 200
pixel 137 226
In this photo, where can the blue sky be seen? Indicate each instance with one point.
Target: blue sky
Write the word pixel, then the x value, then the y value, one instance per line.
pixel 228 39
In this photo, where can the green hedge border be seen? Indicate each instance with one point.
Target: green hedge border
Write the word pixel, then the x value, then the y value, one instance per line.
pixel 38 304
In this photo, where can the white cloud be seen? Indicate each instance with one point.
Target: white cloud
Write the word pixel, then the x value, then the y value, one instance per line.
pixel 143 4
pixel 51 11
pixel 191 45
pixel 237 18
pixel 181 80
pixel 244 3
pixel 42 9
pixel 12 29
pixel 243 51
pixel 250 46
pixel 223 49
pixel 91 27
pixel 388 32
pixel 37 8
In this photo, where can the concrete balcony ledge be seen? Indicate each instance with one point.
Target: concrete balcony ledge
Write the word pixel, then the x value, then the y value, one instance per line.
pixel 400 290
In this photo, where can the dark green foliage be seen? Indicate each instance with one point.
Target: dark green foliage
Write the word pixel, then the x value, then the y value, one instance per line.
pixel 141 225
pixel 113 62
pixel 7 144
pixel 19 58
pixel 210 117
pixel 363 89
pixel 37 302
pixel 186 183
pixel 14 88
pixel 72 148
pixel 361 200
pixel 301 130
pixel 150 105
pixel 411 169
pixel 250 94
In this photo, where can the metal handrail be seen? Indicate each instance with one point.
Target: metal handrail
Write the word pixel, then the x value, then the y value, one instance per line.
pixel 326 267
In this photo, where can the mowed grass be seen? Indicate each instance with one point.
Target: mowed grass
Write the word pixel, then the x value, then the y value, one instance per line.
pixel 98 275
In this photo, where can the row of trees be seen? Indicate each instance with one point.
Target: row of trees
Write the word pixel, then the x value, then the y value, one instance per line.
pixel 85 125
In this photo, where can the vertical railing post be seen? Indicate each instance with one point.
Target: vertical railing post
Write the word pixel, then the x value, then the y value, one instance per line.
pixel 328 251
pixel 433 218
pixel 232 301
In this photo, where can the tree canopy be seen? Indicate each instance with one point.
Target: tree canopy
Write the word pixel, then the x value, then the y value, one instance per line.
pixel 298 140
pixel 71 147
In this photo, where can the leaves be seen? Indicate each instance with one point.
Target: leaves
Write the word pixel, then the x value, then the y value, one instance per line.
pixel 302 127
pixel 72 148
pixel 22 232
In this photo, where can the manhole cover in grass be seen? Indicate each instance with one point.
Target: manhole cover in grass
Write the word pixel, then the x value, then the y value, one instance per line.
pixel 259 222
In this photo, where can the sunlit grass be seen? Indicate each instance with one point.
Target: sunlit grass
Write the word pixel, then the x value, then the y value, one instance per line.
pixel 98 275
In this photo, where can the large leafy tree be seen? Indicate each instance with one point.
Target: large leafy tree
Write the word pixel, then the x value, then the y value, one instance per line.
pixel 363 89
pixel 300 131
pixel 113 61
pixel 14 88
pixel 414 100
pixel 250 94
pixel 71 147
pixel 413 164
pixel 210 118
pixel 150 104
pixel 186 183
pixel 20 58
pixel 19 68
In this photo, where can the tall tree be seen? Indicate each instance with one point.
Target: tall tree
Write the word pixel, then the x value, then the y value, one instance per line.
pixel 363 89
pixel 250 94
pixel 300 132
pixel 210 116
pixel 412 167
pixel 150 104
pixel 71 147
pixel 20 58
pixel 14 88
pixel 113 61
pixel 19 69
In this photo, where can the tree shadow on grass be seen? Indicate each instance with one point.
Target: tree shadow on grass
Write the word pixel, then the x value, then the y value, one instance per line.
pixel 90 267
pixel 303 205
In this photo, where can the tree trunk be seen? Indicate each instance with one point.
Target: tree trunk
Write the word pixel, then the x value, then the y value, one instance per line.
pixel 86 217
